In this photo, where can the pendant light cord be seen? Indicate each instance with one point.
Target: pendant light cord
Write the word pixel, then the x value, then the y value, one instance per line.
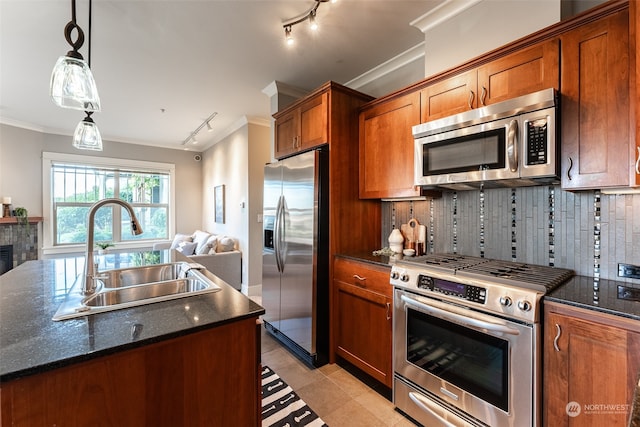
pixel 88 41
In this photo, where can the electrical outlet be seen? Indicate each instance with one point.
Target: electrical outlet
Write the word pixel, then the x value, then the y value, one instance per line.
pixel 629 270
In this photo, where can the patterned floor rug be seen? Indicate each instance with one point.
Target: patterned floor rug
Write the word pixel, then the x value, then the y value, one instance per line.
pixel 282 407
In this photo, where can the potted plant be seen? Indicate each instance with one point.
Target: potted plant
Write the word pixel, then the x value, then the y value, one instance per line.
pixel 103 246
pixel 22 216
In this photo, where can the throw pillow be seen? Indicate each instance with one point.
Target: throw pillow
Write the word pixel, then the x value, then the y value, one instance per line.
pixel 200 238
pixel 187 248
pixel 179 238
pixel 226 244
pixel 210 246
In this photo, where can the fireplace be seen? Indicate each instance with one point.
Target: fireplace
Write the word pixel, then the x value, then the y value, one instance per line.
pixel 6 258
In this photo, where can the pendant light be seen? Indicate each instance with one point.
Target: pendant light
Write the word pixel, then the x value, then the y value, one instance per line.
pixel 87 136
pixel 72 84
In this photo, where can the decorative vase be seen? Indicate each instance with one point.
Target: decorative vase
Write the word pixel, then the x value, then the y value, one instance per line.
pixel 396 241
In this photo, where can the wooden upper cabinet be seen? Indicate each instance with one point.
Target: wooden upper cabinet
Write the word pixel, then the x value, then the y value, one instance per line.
pixel 302 127
pixel 526 71
pixel 386 148
pixel 595 105
pixel 447 97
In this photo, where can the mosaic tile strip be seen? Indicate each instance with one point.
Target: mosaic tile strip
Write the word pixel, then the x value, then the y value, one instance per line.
pixel 393 215
pixel 454 228
pixel 597 227
pixel 513 224
pixel 552 226
pixel 482 213
pixel 431 228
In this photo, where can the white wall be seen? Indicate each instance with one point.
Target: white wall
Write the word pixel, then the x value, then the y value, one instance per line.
pixel 237 162
pixel 21 170
pixel 454 38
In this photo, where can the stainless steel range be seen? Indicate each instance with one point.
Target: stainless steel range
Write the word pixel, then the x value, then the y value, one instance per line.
pixel 467 339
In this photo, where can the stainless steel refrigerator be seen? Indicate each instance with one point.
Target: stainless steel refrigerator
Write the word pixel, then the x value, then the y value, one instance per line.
pixel 295 288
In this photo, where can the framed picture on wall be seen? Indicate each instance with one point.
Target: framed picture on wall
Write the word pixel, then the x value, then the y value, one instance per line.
pixel 218 199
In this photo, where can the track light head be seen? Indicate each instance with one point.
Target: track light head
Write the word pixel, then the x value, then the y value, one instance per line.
pixel 312 20
pixel 287 35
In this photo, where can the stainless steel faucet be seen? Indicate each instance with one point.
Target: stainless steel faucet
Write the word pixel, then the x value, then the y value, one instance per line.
pixel 89 284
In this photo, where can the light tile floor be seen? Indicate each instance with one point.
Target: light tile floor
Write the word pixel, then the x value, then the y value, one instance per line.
pixel 337 396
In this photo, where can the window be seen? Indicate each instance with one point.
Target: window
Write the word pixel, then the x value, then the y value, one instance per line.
pixel 74 183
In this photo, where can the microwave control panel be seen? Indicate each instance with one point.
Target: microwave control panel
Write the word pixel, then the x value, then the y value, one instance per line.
pixel 537 142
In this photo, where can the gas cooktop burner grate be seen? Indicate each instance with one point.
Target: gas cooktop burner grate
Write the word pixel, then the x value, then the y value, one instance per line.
pixel 530 276
pixel 448 262
pixel 542 278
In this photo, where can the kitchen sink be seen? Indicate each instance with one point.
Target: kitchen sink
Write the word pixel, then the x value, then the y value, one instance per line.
pixel 126 295
pixel 135 286
pixel 138 275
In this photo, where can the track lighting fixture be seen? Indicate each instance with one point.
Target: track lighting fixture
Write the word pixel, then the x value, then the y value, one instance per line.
pixel 192 136
pixel 310 15
pixel 72 84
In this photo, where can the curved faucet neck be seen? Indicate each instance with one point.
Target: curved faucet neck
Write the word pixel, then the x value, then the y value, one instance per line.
pixel 89 285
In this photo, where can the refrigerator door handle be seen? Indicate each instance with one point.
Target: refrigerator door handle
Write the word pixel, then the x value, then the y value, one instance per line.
pixel 276 234
pixel 282 238
pixel 277 230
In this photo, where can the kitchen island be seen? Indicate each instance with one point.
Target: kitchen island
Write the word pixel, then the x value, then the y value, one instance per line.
pixel 190 361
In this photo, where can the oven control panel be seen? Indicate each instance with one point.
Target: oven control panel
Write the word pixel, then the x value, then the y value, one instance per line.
pixel 460 290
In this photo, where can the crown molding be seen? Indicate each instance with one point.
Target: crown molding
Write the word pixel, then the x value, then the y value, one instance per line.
pixel 442 13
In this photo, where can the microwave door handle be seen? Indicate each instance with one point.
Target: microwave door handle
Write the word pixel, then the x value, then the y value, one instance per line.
pixel 512 145
pixel 460 319
pixel 424 404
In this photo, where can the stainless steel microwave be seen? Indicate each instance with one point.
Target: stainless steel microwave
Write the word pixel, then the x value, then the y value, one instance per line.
pixel 508 144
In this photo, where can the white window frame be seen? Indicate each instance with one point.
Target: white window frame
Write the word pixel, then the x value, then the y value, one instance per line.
pixel 49 158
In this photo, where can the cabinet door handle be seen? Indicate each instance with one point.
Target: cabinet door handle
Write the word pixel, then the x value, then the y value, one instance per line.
pixel 570 167
pixel 483 96
pixel 555 340
pixel 638 162
pixel 293 142
pixel 388 311
pixel 471 96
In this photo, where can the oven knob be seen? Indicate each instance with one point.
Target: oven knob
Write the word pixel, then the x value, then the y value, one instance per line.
pixel 404 277
pixel 524 305
pixel 394 275
pixel 506 301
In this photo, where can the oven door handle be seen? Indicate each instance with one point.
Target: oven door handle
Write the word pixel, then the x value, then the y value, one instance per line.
pixel 424 404
pixel 458 318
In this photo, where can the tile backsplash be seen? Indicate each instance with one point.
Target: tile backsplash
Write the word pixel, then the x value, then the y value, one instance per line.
pixel 587 232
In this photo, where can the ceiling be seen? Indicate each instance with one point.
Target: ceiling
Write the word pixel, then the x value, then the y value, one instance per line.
pixel 163 66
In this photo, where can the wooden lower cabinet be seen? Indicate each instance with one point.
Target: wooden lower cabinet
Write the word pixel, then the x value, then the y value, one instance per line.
pixel 591 363
pixel 207 378
pixel 363 323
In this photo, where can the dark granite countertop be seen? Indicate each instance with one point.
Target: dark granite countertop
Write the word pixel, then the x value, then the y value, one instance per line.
pixel 30 342
pixel 368 257
pixel 579 292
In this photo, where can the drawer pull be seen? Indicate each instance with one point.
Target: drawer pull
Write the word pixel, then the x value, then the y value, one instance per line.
pixel 362 279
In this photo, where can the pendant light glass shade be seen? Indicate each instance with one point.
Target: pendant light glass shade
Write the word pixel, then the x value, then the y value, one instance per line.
pixel 73 86
pixel 87 136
